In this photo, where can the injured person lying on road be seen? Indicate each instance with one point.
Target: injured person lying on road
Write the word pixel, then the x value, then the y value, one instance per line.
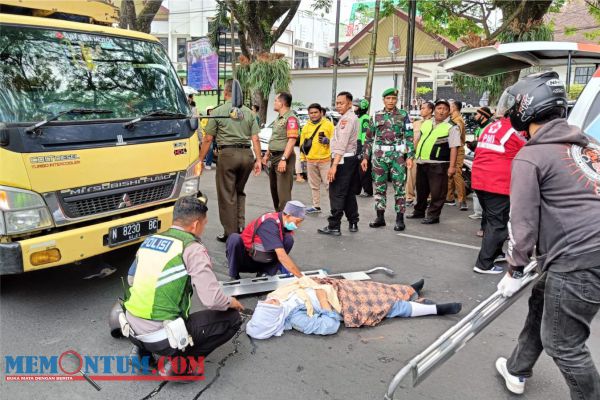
pixel 318 305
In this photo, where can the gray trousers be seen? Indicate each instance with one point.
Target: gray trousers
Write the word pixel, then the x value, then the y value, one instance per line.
pixel 561 309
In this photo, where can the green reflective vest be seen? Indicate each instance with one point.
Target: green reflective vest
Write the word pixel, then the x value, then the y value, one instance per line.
pixel 162 288
pixel 433 144
pixel 363 124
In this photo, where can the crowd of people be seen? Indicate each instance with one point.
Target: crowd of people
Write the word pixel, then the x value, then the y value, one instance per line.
pixel 528 177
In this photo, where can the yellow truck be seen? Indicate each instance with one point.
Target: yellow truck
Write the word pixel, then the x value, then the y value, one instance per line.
pixel 96 137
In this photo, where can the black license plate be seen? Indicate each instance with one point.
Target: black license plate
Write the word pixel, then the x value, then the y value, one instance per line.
pixel 133 231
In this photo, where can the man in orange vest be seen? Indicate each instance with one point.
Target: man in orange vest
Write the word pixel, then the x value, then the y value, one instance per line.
pixel 264 245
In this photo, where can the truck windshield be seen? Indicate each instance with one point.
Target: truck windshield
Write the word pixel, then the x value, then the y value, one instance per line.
pixel 44 72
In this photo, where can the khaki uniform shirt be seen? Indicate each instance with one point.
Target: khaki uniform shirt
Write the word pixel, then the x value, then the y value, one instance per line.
pixel 232 131
pixel 285 127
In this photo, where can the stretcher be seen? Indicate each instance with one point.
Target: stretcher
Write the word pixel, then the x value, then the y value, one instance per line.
pixel 242 287
pixel 457 337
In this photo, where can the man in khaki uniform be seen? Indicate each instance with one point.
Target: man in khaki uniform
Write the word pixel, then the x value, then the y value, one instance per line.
pixel 456 183
pixel 281 151
pixel 234 135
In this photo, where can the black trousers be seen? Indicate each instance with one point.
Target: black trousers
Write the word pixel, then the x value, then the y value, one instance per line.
pixel 209 329
pixel 366 178
pixel 496 210
pixel 432 178
pixel 342 193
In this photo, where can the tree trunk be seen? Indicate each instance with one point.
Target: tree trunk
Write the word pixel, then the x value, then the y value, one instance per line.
pixel 372 53
pixel 127 14
pixel 145 17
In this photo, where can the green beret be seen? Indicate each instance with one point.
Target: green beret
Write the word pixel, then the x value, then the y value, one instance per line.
pixel 390 92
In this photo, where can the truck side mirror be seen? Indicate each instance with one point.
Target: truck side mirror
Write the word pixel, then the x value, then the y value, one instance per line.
pixel 193 121
pixel 237 97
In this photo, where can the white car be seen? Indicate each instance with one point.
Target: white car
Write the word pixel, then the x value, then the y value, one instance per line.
pixel 508 57
pixel 189 90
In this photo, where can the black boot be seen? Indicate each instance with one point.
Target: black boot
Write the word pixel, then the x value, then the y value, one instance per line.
pixel 353 227
pixel 379 221
pixel 399 222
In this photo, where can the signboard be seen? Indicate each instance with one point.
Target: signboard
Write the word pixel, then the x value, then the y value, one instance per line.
pixel 202 65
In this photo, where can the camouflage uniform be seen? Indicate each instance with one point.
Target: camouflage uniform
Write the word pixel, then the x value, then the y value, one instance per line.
pixel 388 143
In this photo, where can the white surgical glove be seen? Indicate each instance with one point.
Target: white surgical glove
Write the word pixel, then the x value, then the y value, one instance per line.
pixel 509 285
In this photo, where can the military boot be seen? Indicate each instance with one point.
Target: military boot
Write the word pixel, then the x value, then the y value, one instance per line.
pixel 399 222
pixel 379 221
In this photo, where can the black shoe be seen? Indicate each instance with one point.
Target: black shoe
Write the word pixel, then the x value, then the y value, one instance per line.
pixel 329 231
pixel 415 216
pixel 450 202
pixel 399 222
pixel 379 221
pixel 139 354
pixel 222 238
pixel 418 286
pixel 448 308
pixel 430 221
pixel 353 227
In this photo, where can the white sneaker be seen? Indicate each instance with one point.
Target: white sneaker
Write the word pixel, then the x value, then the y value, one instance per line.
pixel 515 384
pixel 207 167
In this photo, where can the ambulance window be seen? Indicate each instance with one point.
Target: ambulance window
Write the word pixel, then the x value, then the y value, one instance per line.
pixel 591 125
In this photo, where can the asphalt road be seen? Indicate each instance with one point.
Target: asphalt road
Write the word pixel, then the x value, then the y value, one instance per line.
pixel 50 311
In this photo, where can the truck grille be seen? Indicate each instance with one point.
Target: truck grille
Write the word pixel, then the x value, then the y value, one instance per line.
pixel 82 205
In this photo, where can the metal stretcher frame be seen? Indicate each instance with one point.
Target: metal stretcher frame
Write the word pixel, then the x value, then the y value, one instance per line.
pixel 242 287
pixel 457 337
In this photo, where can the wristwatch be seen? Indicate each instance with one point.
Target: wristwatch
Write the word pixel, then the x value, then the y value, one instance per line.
pixel 283 158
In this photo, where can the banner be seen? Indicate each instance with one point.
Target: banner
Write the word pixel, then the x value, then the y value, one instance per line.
pixel 202 65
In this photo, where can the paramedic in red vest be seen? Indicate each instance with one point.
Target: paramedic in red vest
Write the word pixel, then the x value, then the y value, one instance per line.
pixel 497 145
pixel 271 234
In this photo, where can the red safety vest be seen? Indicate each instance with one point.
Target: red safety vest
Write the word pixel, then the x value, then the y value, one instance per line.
pixel 497 145
pixel 248 234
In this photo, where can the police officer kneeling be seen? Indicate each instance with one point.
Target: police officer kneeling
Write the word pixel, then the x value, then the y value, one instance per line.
pixel 265 244
pixel 167 266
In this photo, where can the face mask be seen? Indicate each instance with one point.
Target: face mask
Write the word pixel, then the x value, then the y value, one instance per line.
pixel 290 226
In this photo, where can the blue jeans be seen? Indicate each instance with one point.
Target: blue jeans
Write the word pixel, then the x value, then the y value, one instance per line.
pixel 561 309
pixel 209 155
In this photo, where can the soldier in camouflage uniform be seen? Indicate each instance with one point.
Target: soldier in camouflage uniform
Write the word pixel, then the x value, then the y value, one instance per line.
pixel 389 145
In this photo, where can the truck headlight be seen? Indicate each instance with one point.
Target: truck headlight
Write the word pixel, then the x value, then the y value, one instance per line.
pixel 22 211
pixel 191 183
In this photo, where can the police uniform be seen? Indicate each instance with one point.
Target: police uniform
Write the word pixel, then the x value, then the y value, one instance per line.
pixel 388 143
pixel 285 127
pixel 345 186
pixel 235 164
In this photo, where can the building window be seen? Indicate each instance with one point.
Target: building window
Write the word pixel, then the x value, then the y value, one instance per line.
pixel 323 61
pixel 583 75
pixel 165 43
pixel 300 59
pixel 181 49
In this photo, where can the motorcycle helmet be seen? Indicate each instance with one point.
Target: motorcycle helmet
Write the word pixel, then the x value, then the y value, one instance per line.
pixel 535 98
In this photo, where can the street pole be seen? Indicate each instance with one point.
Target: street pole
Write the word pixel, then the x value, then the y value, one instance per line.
pixel 232 22
pixel 335 53
pixel 410 44
pixel 372 53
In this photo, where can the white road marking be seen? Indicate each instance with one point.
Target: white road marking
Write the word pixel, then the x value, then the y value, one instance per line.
pixel 466 246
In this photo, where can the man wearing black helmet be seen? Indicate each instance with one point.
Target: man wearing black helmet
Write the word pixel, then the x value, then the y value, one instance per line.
pixel 555 209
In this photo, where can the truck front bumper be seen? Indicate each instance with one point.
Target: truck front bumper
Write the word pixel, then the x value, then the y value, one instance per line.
pixel 74 244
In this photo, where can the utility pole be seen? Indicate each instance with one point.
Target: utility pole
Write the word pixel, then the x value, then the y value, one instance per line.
pixel 372 53
pixel 232 22
pixel 410 44
pixel 335 53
